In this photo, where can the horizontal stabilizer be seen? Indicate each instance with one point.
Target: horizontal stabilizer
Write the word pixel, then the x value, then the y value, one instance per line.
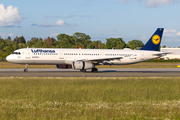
pixel 161 53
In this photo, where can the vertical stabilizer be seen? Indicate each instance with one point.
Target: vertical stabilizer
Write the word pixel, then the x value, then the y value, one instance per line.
pixel 154 42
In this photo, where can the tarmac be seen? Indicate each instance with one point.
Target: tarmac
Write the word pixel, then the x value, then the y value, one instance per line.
pixel 102 72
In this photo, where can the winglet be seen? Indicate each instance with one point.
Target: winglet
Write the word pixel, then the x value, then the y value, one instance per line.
pixel 154 42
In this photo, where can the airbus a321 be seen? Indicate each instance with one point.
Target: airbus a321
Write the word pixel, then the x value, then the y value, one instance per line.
pixel 84 59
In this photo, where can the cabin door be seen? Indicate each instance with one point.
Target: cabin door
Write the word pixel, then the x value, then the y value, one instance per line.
pixel 28 54
pixel 61 54
pixel 142 55
pixel 102 54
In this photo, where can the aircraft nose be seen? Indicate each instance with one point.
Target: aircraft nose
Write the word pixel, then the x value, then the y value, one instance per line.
pixel 9 58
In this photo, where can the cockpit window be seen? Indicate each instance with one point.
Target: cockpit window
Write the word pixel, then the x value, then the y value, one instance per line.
pixel 17 53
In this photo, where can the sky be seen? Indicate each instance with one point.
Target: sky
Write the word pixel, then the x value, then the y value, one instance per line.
pixel 100 19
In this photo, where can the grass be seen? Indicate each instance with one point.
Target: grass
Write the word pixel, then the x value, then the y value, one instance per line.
pixel 90 98
pixel 138 65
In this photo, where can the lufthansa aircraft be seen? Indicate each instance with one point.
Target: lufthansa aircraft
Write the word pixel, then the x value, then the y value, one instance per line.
pixel 83 59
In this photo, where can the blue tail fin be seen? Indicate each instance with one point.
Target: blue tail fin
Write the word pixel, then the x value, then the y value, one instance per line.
pixel 154 42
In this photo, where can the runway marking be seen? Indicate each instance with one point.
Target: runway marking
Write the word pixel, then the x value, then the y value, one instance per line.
pixel 103 72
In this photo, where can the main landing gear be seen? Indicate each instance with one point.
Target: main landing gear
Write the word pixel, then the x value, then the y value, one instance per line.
pixel 26 68
pixel 84 70
pixel 95 70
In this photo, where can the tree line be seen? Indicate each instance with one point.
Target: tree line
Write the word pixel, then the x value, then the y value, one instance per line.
pixel 77 40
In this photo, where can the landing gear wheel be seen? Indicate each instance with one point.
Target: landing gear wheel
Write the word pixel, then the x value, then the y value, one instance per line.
pixel 84 70
pixel 25 70
pixel 95 70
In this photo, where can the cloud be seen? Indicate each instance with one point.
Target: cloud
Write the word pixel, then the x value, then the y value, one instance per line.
pixel 53 34
pixel 59 23
pixel 2 35
pixel 171 33
pixel 19 26
pixel 171 37
pixel 10 34
pixel 155 3
pixel 9 16
pixel 178 33
pixel 85 16
pixel 70 16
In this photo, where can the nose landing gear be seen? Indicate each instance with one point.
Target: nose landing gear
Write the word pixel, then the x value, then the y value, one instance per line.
pixel 26 68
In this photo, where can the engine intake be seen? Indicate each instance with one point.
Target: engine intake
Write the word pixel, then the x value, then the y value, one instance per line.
pixel 81 65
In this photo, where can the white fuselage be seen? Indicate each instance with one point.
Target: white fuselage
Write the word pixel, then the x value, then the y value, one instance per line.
pixel 67 56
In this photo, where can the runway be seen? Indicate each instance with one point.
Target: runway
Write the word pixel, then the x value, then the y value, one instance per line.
pixel 102 72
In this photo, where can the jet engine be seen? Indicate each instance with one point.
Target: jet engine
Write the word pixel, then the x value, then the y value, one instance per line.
pixel 64 66
pixel 81 65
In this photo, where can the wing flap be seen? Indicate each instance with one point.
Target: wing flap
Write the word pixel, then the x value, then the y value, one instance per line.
pixel 101 59
pixel 104 58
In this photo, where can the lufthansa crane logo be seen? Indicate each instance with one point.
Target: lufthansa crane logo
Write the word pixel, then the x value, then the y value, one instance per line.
pixel 156 39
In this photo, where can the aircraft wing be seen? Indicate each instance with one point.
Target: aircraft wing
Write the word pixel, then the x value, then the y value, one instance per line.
pixel 161 53
pixel 102 59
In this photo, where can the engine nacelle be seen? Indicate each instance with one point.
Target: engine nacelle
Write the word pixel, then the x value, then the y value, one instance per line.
pixel 64 66
pixel 81 65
